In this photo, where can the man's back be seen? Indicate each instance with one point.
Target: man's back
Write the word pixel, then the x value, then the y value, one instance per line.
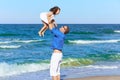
pixel 58 40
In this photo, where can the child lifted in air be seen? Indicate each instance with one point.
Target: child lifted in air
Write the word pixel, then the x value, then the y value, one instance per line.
pixel 47 18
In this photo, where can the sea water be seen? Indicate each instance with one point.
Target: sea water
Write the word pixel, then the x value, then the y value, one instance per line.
pixel 88 47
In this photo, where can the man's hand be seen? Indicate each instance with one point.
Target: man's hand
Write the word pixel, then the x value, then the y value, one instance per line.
pixel 55 24
pixel 53 21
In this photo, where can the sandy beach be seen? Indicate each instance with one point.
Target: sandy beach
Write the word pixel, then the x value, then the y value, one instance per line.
pixel 98 78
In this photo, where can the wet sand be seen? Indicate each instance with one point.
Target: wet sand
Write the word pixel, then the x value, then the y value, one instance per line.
pixel 98 78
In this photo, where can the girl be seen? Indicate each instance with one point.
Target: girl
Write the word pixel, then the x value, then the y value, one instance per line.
pixel 47 18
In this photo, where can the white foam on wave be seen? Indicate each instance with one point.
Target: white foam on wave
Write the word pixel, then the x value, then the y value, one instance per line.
pixel 26 41
pixel 102 67
pixel 10 46
pixel 93 41
pixel 117 31
pixel 4 42
pixel 19 41
pixel 16 69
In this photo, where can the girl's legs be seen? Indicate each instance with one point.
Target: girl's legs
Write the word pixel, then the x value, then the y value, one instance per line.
pixel 43 29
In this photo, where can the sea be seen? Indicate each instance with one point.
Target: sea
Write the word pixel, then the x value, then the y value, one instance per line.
pixel 89 50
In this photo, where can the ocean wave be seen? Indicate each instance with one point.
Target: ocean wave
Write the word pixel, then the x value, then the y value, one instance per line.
pixel 108 31
pixel 82 33
pixel 9 34
pixel 117 31
pixel 115 56
pixel 76 62
pixel 20 41
pixel 102 66
pixel 9 46
pixel 26 41
pixel 104 57
pixel 92 41
pixel 4 42
pixel 16 69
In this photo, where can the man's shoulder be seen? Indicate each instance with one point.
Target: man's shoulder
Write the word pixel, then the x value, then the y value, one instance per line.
pixel 57 32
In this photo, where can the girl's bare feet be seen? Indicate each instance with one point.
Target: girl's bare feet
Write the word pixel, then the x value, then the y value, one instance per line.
pixel 41 34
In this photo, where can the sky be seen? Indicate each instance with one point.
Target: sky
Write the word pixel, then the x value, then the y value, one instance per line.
pixel 72 11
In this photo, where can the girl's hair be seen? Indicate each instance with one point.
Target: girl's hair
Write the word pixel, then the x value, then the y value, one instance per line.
pixel 54 9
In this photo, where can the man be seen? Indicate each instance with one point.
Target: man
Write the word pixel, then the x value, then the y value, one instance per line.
pixel 57 45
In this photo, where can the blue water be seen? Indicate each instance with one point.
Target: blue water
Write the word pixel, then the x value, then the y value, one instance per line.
pixel 22 50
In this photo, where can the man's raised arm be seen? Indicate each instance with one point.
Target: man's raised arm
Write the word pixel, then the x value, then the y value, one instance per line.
pixel 51 26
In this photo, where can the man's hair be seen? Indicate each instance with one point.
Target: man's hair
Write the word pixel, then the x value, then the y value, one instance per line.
pixel 66 30
pixel 54 9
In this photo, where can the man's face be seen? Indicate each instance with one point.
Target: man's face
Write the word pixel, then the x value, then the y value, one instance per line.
pixel 63 29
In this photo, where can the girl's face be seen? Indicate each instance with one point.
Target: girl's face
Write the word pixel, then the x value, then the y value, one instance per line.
pixel 58 11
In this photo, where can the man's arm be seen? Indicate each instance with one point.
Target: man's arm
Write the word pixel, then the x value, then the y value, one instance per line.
pixel 53 21
pixel 51 26
pixel 55 31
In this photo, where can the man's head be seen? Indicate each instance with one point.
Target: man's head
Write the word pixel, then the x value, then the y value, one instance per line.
pixel 64 29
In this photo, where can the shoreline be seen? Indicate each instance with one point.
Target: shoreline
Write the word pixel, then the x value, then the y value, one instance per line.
pixel 64 76
pixel 78 73
pixel 97 78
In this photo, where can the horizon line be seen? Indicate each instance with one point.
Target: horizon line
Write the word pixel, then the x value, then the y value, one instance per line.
pixel 60 23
